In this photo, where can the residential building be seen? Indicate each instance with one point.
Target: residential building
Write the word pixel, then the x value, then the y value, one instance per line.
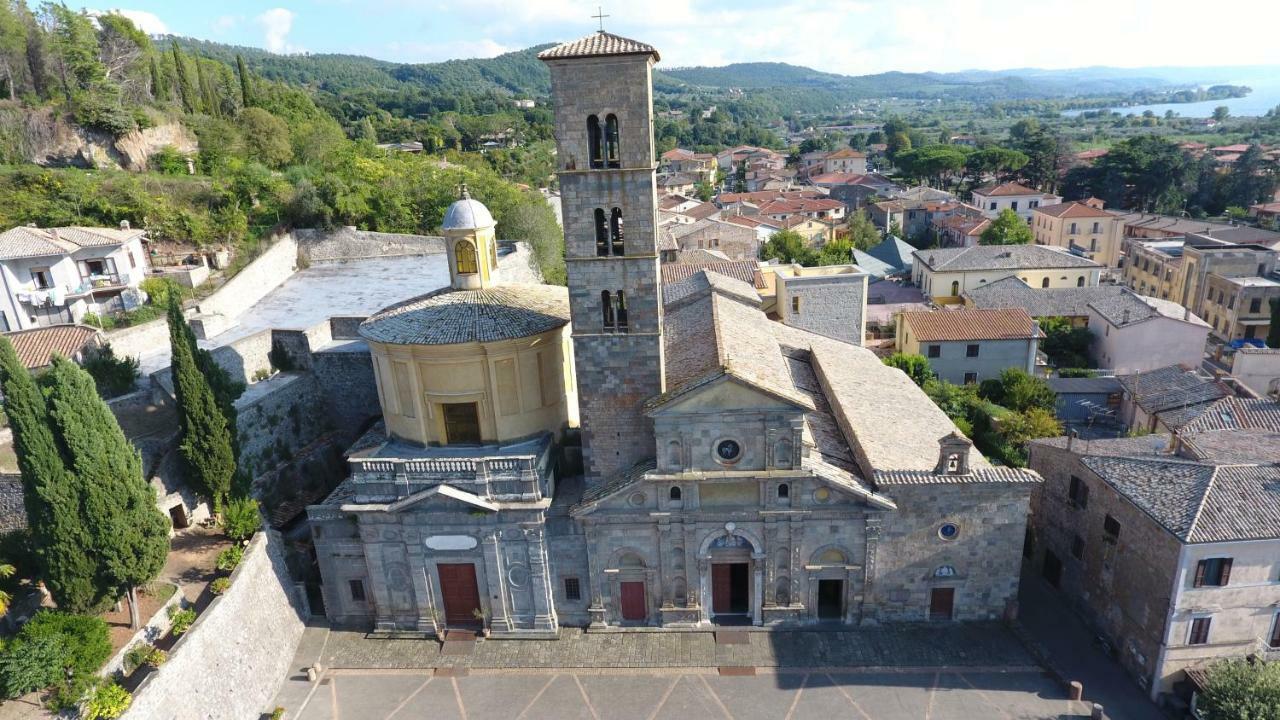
pixel 1154 267
pixel 890 257
pixel 969 346
pixel 1133 333
pixel 845 160
pixel 1266 213
pixel 960 230
pixel 36 346
pixel 1239 308
pixel 1086 401
pixel 735 241
pixel 1070 303
pixel 677 184
pixel 702 167
pixel 1144 225
pixel 991 199
pixel 817 209
pixel 1166 399
pixel 1083 228
pixel 829 300
pixel 1258 369
pixel 54 276
pixel 943 274
pixel 1168 546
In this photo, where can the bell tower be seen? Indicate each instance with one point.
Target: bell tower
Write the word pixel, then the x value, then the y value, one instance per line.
pixel 470 243
pixel 602 87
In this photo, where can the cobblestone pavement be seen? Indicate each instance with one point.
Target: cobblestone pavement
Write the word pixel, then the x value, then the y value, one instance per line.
pixel 899 646
pixel 656 694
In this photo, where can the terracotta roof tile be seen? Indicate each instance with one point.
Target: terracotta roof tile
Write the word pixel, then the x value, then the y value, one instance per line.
pixel 1072 209
pixel 35 347
pixel 597 44
pixel 947 325
pixel 1005 189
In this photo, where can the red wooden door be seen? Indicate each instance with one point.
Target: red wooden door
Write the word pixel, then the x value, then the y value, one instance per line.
pixel 941 601
pixel 633 601
pixel 461 596
pixel 721 587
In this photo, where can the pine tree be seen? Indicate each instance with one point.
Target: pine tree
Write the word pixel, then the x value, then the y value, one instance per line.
pixel 158 89
pixel 51 493
pixel 184 81
pixel 129 534
pixel 207 98
pixel 206 434
pixel 246 82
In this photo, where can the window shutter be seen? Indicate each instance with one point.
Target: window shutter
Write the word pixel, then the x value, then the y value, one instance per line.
pixel 1226 571
pixel 1199 574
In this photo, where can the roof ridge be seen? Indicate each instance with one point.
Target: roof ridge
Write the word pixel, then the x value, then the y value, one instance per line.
pixel 1203 501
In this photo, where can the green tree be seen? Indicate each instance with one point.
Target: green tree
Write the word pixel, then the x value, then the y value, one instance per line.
pixel 1222 112
pixel 6 572
pixel 994 160
pixel 185 92
pixel 863 233
pixel 206 435
pixel 51 493
pixel 1018 391
pixel 246 82
pixel 13 45
pixel 789 247
pixel 1067 346
pixel 1007 229
pixel 1030 424
pixel 915 366
pixel 73 46
pixel 159 91
pixel 266 137
pixel 130 535
pixel 1241 689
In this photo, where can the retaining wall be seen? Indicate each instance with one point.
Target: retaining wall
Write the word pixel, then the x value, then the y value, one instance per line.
pixel 230 664
pixel 139 339
pixel 277 416
pixel 267 272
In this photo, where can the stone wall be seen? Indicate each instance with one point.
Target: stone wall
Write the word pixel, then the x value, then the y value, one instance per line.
pixel 153 630
pixel 139 339
pixel 1256 368
pixel 349 243
pixel 345 371
pixel 267 272
pixel 245 356
pixel 276 417
pixel 830 305
pixel 231 662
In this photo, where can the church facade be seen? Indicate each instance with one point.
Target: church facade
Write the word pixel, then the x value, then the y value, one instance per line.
pixel 736 470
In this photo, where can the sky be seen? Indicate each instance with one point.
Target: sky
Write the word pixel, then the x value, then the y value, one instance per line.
pixel 853 37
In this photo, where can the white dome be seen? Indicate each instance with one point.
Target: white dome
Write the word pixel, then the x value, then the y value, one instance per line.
pixel 467 214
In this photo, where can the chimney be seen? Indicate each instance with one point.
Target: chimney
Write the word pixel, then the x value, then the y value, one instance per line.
pixel 1124 318
pixel 124 224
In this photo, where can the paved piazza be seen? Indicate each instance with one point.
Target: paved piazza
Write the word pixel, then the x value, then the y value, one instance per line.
pixel 657 694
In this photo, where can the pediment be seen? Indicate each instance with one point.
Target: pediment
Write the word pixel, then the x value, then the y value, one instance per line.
pixel 444 497
pixel 726 393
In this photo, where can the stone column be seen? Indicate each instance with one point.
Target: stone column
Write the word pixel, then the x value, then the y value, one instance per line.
pixel 704 589
pixel 382 621
pixel 867 610
pixel 597 578
pixel 421 588
pixel 495 594
pixel 544 612
pixel 666 573
pixel 757 564
pixel 770 572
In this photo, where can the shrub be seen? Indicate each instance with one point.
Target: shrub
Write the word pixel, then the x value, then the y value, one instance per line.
pixel 86 640
pixel 136 656
pixel 108 702
pixel 277 713
pixel 230 558
pixel 27 666
pixel 98 321
pixel 181 621
pixel 220 585
pixel 1077 373
pixel 156 658
pixel 160 289
pixel 169 161
pixel 240 518
pixel 261 374
pixel 112 375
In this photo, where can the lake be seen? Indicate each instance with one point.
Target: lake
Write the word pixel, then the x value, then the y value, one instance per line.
pixel 1265 96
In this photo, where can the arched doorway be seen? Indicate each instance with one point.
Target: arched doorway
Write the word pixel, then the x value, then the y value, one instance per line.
pixel 731 565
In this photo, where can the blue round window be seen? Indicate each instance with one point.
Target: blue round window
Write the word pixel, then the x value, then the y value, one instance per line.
pixel 949 531
pixel 728 450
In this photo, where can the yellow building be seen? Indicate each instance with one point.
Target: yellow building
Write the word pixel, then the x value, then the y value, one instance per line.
pixel 1080 226
pixel 477 362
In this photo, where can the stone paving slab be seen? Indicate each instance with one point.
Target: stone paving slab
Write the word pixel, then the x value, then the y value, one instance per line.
pixel 986 645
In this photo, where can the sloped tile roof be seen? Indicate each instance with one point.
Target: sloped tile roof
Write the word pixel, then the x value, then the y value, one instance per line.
pixel 1072 209
pixel 889 478
pixel 450 316
pixel 1001 257
pixel 1005 189
pixel 972 324
pixel 25 241
pixel 1011 292
pixel 597 44
pixel 1232 413
pixel 35 347
pixel 746 271
pixel 1175 393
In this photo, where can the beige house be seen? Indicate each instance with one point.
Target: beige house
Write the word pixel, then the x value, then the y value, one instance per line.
pixel 1239 308
pixel 845 160
pixel 991 199
pixel 1169 545
pixel 943 274
pixel 1082 227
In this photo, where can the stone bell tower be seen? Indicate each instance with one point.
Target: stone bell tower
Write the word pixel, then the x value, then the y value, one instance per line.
pixel 602 87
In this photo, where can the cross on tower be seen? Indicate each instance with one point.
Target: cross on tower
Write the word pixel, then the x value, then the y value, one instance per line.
pixel 600 16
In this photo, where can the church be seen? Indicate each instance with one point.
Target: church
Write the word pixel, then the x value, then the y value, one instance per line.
pixel 734 470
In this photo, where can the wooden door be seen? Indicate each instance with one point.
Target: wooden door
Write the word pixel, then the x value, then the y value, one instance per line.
pixel 721 587
pixel 461 596
pixel 941 602
pixel 461 423
pixel 633 601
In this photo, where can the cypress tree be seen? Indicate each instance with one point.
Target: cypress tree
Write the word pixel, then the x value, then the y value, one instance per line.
pixel 129 534
pixel 51 494
pixel 206 434
pixel 207 98
pixel 184 82
pixel 246 83
pixel 158 90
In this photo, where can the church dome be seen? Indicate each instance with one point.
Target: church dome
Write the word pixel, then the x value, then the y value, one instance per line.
pixel 447 317
pixel 467 214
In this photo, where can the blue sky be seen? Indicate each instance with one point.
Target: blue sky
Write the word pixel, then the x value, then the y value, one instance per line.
pixel 846 36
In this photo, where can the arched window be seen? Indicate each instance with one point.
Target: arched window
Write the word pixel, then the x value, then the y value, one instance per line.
pixel 602 234
pixel 621 311
pixel 464 255
pixel 595 142
pixel 1044 283
pixel 675 493
pixel 611 152
pixel 615 231
pixel 955 287
pixel 784 491
pixel 606 309
pixel 1080 281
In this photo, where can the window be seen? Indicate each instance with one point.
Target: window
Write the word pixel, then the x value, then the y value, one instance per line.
pixel 1111 527
pixel 1213 572
pixel 1097 227
pixel 992 206
pixel 602 234
pixel 674 494
pixel 784 491
pixel 42 278
pixel 1231 302
pixel 971 351
pixel 357 590
pixel 620 311
pixel 1034 204
pixel 949 531
pixel 1073 229
pixel 1013 205
pixel 1093 244
pixel 935 351
pixel 1044 283
pixel 461 423
pixel 133 263
pixel 606 311
pixel 1262 270
pixel 572 589
pixel 611 154
pixel 1199 631
pixel 795 306
pixel 595 142
pixel 464 254
pixel 1077 548
pixel 955 287
pixel 1274 642
pixel 1255 305
pixel 1078 493
pixel 1080 281
pixel 615 232
pixel 970 378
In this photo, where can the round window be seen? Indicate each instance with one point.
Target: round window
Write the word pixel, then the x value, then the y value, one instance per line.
pixel 728 451
pixel 822 495
pixel 637 499
pixel 949 531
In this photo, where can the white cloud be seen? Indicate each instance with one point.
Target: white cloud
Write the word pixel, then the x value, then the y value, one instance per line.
pixel 147 22
pixel 277 22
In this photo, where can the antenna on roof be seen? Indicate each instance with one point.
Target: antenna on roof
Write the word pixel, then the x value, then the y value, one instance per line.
pixel 600 16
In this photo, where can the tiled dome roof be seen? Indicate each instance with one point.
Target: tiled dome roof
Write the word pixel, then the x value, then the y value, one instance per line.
pixel 598 43
pixel 467 214
pixel 448 317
